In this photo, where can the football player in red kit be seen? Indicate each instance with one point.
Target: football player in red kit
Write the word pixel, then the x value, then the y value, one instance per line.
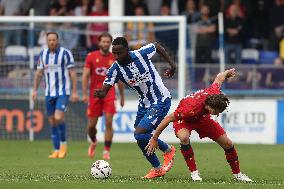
pixel 96 66
pixel 194 113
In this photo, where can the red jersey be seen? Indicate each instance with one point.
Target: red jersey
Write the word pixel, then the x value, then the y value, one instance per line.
pixel 192 107
pixel 98 65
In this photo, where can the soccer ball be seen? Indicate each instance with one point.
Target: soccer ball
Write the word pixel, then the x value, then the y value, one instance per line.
pixel 101 169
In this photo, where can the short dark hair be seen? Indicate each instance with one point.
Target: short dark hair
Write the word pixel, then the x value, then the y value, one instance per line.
pixel 217 101
pixel 105 34
pixel 120 41
pixel 51 32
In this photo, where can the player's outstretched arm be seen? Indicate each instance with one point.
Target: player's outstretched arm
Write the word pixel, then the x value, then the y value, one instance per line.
pixel 101 93
pixel 222 76
pixel 37 80
pixel 153 143
pixel 162 52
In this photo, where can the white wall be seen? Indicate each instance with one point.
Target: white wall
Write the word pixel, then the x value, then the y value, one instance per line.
pixel 246 121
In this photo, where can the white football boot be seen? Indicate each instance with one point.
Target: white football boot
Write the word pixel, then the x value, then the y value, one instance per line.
pixel 195 176
pixel 242 177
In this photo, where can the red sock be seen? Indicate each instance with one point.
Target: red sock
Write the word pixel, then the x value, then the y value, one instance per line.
pixel 107 145
pixel 188 155
pixel 232 158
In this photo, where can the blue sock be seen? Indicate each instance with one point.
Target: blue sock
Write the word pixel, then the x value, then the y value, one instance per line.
pixel 55 137
pixel 142 141
pixel 62 131
pixel 164 147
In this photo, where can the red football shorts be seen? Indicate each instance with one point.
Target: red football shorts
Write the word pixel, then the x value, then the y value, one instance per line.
pixel 98 106
pixel 206 127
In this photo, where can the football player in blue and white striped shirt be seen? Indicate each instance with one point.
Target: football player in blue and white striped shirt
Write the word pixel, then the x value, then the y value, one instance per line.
pixel 137 71
pixel 56 64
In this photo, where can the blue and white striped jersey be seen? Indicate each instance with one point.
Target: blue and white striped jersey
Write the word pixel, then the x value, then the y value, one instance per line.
pixel 141 76
pixel 56 65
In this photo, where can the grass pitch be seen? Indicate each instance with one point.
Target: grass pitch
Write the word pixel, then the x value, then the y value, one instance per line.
pixel 25 164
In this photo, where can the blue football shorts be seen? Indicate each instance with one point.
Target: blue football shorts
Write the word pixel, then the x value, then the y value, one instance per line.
pixel 56 103
pixel 150 118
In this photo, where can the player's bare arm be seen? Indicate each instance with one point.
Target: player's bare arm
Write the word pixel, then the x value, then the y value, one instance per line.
pixel 121 92
pixel 101 93
pixel 37 80
pixel 162 52
pixel 221 77
pixel 153 143
pixel 73 76
pixel 85 83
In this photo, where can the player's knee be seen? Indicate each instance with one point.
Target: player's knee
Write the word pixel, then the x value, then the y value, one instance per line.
pixel 138 136
pixel 108 124
pixel 109 128
pixel 184 139
pixel 57 121
pixel 51 121
pixel 92 124
pixel 228 144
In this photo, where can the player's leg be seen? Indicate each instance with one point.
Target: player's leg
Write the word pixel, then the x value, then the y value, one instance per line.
pixel 109 110
pixel 212 129
pixel 141 136
pixel 59 115
pixel 182 131
pixel 153 118
pixel 146 121
pixel 108 135
pixel 232 157
pixel 50 108
pixel 92 133
pixel 94 111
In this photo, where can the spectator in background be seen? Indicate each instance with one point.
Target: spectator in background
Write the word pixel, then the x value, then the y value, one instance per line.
pixel 139 34
pixel 274 76
pixel 12 35
pixel 233 36
pixel 40 9
pixel 215 6
pixel 69 35
pixel 167 33
pixel 154 8
pixel 205 30
pixel 176 6
pixel 85 8
pixel 96 29
pixel 130 6
pixel 277 23
pixel 190 12
pixel 241 8
pixel 281 46
pixel 261 20
pixel 61 8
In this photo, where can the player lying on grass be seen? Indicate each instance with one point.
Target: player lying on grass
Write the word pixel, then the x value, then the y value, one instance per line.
pixel 193 113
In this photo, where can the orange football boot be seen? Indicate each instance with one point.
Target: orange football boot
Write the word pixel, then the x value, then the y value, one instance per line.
pixel 169 159
pixel 155 173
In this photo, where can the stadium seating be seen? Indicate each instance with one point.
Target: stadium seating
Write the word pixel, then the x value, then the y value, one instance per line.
pixel 250 56
pixel 15 54
pixel 267 57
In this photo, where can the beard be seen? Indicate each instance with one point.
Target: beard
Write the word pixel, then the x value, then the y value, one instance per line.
pixel 104 50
